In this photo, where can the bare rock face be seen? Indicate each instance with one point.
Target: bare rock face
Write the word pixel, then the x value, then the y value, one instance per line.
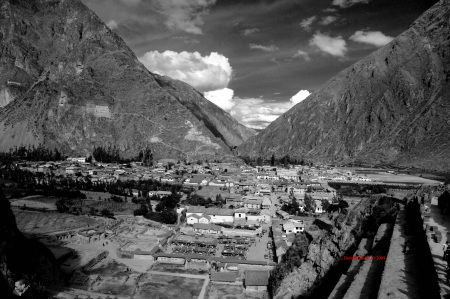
pixel 68 81
pixel 390 107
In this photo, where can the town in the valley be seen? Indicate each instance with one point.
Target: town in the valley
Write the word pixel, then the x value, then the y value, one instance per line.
pixel 184 230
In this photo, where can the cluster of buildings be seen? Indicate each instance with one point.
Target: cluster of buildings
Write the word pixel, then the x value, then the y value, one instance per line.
pixel 236 217
pixel 227 175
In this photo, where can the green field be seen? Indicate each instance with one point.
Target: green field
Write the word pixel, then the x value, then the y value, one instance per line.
pixel 168 287
pixel 225 291
pixel 39 223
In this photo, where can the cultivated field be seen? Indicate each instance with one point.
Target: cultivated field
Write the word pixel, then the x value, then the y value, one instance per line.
pixel 113 279
pixel 41 223
pixel 232 291
pixel 168 287
pixel 225 291
pixel 35 203
pixel 399 178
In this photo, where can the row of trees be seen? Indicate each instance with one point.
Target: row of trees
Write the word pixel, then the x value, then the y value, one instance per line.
pixel 198 200
pixel 106 154
pixel 273 161
pixel 32 153
pixel 111 154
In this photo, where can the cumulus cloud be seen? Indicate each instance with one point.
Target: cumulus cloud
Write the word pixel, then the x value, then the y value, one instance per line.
pixel 306 23
pixel 112 24
pixel 376 38
pixel 222 98
pixel 184 15
pixel 348 3
pixel 302 54
pixel 335 46
pixel 270 48
pixel 205 73
pixel 300 96
pixel 250 31
pixel 258 113
pixel 328 20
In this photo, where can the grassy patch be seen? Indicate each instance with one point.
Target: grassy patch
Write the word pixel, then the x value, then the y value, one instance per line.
pixel 168 287
pixel 225 291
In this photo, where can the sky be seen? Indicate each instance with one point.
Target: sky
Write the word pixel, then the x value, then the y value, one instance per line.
pixel 255 58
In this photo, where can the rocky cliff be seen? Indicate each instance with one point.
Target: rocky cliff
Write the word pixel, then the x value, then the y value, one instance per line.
pixel 390 107
pixel 67 81
pixel 21 257
pixel 327 246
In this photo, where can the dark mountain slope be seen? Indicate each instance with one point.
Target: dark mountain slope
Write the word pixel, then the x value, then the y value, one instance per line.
pixel 67 81
pixel 21 257
pixel 391 107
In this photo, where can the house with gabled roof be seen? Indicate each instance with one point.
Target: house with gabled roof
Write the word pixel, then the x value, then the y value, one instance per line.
pixel 240 213
pixel 293 227
pixel 192 219
pixel 206 219
pixel 252 202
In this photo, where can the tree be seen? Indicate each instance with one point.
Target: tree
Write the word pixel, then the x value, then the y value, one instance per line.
pixel 272 160
pixel 142 211
pixel 106 213
pixel 169 216
pixel 443 201
pixel 219 200
pixel 325 204
pixel 309 203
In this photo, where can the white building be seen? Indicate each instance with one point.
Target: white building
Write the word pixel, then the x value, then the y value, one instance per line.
pixel 319 208
pixel 293 227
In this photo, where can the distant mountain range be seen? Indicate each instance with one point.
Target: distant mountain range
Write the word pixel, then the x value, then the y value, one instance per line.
pixel 391 107
pixel 68 81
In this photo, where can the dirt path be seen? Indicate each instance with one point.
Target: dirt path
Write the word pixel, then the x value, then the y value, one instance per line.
pixel 203 292
pixel 409 271
pixel 367 282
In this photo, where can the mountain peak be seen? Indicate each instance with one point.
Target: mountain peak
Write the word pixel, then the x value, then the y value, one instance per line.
pixel 390 107
pixel 68 81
